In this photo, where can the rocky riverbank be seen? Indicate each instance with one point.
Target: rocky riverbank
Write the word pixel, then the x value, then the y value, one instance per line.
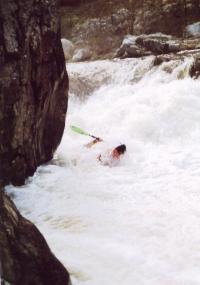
pixel 25 255
pixel 99 27
pixel 33 105
pixel 34 85
pixel 167 30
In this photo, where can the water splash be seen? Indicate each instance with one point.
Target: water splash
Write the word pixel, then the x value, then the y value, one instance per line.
pixel 137 223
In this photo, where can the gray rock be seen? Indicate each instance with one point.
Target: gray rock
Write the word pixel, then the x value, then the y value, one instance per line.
pixel 129 40
pixel 195 68
pixel 24 254
pixel 68 48
pixel 193 29
pixel 82 54
pixel 158 45
pixel 136 51
pixel 143 45
pixel 176 59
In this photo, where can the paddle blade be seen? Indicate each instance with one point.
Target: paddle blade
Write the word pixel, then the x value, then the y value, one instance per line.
pixel 78 130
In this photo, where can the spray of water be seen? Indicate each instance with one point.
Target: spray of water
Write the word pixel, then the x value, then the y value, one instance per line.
pixel 138 222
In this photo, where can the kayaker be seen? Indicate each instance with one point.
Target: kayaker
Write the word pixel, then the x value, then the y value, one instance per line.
pixel 110 157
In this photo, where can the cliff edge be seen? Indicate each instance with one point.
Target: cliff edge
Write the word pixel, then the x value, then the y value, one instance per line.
pixel 33 87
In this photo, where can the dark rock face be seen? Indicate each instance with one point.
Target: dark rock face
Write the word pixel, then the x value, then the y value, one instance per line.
pixel 70 2
pixel 24 254
pixel 158 45
pixel 33 87
pixel 73 2
pixel 166 16
pixel 152 44
pixel 195 69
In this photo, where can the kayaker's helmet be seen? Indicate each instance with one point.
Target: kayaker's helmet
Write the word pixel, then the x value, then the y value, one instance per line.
pixel 121 148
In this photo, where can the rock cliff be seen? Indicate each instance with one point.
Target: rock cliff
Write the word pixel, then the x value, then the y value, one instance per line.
pixel 33 87
pixel 24 254
pixel 33 104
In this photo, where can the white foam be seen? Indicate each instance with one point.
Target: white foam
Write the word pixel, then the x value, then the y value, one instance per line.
pixel 137 223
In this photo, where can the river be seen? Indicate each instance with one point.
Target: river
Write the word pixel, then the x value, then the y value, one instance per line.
pixel 137 222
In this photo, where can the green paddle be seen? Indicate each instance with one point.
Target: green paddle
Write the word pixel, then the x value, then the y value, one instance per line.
pixel 82 132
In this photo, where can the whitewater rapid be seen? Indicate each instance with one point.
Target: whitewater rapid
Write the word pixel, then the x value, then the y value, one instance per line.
pixel 138 222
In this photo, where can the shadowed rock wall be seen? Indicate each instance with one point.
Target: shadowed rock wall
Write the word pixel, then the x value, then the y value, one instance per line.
pixel 33 87
pixel 74 2
pixel 166 16
pixel 24 254
pixel 33 104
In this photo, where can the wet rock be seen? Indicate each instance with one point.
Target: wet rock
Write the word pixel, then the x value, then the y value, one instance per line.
pixel 68 48
pixel 173 60
pixel 25 257
pixel 81 87
pixel 82 54
pixel 180 55
pixel 193 29
pixel 160 59
pixel 157 45
pixel 129 48
pixel 195 68
pixel 132 51
pixel 135 51
pixel 33 87
pixel 190 44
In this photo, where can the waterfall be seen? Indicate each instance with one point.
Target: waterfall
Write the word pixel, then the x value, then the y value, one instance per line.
pixel 137 222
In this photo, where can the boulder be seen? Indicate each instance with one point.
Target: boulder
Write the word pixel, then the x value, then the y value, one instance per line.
pixel 143 45
pixel 82 54
pixel 195 68
pixel 136 51
pixel 25 256
pixel 158 45
pixel 131 51
pixel 68 48
pixel 193 29
pixel 33 87
pixel 175 59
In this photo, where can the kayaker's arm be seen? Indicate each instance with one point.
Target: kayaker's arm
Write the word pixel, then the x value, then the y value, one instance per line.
pixel 93 142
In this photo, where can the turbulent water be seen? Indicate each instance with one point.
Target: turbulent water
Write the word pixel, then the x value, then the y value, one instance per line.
pixel 137 222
